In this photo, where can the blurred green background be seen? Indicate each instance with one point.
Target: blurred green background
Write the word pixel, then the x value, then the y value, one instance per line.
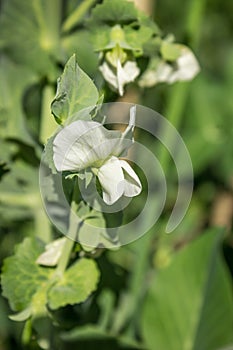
pixel 161 292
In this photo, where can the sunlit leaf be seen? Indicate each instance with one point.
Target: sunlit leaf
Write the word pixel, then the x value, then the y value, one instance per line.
pixel 22 278
pixel 76 284
pixel 75 92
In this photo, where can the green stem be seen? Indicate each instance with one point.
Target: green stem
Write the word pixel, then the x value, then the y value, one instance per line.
pixel 27 332
pixel 48 16
pixel 77 15
pixel 42 225
pixel 174 112
pixel 47 127
pixel 28 200
pixel 67 249
pixel 72 234
pixel 48 124
pixel 194 22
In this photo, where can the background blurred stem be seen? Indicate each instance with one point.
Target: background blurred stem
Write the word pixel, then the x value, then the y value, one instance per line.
pixel 50 22
pixel 77 15
pixel 174 113
pixel 179 93
pixel 47 127
pixel 194 22
pixel 42 224
pixel 48 124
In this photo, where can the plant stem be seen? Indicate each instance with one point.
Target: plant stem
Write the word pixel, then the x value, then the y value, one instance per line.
pixel 48 124
pixel 178 96
pixel 77 15
pixel 194 21
pixel 48 16
pixel 70 241
pixel 42 224
pixel 72 233
pixel 174 112
pixel 47 127
pixel 27 200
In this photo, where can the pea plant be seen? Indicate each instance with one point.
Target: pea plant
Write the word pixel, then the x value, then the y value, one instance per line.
pixel 70 276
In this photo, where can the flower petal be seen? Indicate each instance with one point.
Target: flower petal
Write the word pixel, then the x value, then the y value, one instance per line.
pixel 126 74
pixel 111 178
pixel 109 75
pixel 185 68
pixel 126 139
pixel 81 144
pixel 133 185
pixel 188 67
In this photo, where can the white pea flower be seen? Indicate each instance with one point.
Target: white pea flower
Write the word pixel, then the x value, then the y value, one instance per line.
pixel 121 75
pixel 88 144
pixel 185 68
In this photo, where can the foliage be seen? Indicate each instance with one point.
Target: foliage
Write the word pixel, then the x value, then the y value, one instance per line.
pixel 162 291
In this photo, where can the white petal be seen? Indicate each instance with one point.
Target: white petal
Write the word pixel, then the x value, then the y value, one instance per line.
pixel 159 74
pixel 188 67
pixel 109 75
pixel 81 144
pixel 126 74
pixel 111 178
pixel 130 128
pixel 52 253
pixel 127 139
pixel 133 185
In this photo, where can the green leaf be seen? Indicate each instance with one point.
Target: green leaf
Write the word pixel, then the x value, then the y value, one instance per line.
pixel 47 157
pixel 76 284
pixel 101 38
pixel 93 232
pixel 30 287
pixel 189 304
pixel 128 36
pixel 86 332
pixel 137 38
pixel 75 92
pixel 37 24
pixel 94 332
pixel 114 12
pixel 21 316
pixel 71 44
pixel 19 192
pixel 22 278
pixel 14 81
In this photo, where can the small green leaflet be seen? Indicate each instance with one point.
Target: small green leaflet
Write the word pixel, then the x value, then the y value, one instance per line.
pixel 75 285
pixel 75 92
pixel 29 287
pixel 22 277
pixel 170 51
